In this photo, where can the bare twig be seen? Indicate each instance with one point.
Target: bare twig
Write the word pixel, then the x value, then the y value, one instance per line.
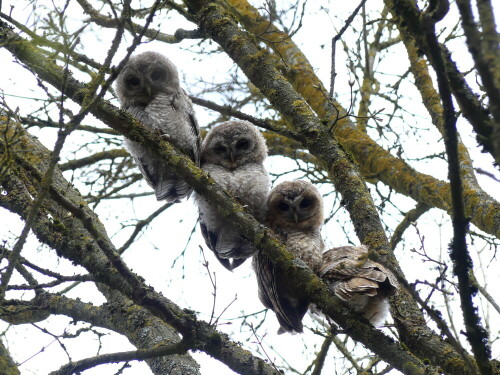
pixel 347 23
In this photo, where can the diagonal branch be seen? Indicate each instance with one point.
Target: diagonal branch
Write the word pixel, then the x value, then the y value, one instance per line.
pixel 68 236
pixel 134 355
pixel 141 328
pixel 374 161
pixel 207 338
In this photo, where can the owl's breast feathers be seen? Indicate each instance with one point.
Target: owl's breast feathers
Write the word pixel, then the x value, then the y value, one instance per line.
pixel 173 118
pixel 308 246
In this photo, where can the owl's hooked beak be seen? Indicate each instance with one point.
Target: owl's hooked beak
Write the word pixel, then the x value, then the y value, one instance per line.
pixel 148 90
pixel 231 156
pixel 295 216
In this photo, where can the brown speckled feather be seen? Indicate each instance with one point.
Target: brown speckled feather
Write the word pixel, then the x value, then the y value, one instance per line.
pixel 361 282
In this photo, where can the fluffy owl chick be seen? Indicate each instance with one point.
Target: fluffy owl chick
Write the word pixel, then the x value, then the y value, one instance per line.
pixel 233 153
pixel 148 88
pixel 295 214
pixel 363 284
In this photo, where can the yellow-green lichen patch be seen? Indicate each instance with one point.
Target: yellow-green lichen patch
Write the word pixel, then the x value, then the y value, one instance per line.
pixel 301 108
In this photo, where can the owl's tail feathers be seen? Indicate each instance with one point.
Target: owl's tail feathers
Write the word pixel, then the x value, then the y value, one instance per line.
pixel 274 294
pixel 366 296
pixel 234 247
pixel 290 317
pixel 232 250
pixel 211 239
pixel 347 289
pixel 231 263
pixel 172 190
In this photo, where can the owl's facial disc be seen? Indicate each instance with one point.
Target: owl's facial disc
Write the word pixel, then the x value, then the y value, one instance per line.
pixel 296 209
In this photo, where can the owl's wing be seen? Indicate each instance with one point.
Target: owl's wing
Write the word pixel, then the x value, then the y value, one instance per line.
pixel 172 190
pixel 165 182
pixel 231 245
pixel 347 289
pixel 193 127
pixel 288 308
pixel 196 131
pixel 355 273
pixel 211 238
pixel 146 169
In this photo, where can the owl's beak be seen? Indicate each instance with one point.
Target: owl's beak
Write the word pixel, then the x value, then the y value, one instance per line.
pixel 231 156
pixel 148 90
pixel 295 216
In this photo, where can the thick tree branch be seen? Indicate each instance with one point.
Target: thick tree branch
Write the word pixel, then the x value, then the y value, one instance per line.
pixel 432 102
pixel 374 161
pixel 120 315
pixel 135 355
pixel 408 20
pixel 68 236
pixel 462 263
pixel 252 61
pixel 207 339
pixel 119 121
pixel 6 363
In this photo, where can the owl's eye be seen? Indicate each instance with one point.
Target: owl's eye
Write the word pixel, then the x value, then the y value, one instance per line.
pixel 157 75
pixel 305 203
pixel 283 206
pixel 220 149
pixel 133 81
pixel 242 144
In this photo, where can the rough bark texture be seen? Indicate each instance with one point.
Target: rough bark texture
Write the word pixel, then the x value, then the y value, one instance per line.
pixel 67 224
pixel 6 363
pixel 67 234
pixel 115 275
pixel 314 136
pixel 373 160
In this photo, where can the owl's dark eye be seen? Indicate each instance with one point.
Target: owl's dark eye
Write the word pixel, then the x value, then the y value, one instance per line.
pixel 157 75
pixel 305 203
pixel 242 144
pixel 220 149
pixel 133 81
pixel 283 206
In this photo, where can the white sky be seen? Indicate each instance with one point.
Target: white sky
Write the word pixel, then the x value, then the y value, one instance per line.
pixel 153 254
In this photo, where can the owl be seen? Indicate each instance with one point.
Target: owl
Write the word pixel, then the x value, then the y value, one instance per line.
pixel 362 283
pixel 295 214
pixel 233 153
pixel 148 88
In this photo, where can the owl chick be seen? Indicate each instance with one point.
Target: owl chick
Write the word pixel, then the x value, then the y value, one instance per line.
pixel 295 214
pixel 148 88
pixel 363 284
pixel 233 153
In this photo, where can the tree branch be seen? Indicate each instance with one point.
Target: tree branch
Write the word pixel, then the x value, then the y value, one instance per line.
pixel 135 355
pixel 94 158
pixel 373 160
pixel 476 334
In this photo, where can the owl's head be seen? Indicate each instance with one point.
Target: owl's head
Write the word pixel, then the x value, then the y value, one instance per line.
pixel 296 205
pixel 232 144
pixel 144 77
